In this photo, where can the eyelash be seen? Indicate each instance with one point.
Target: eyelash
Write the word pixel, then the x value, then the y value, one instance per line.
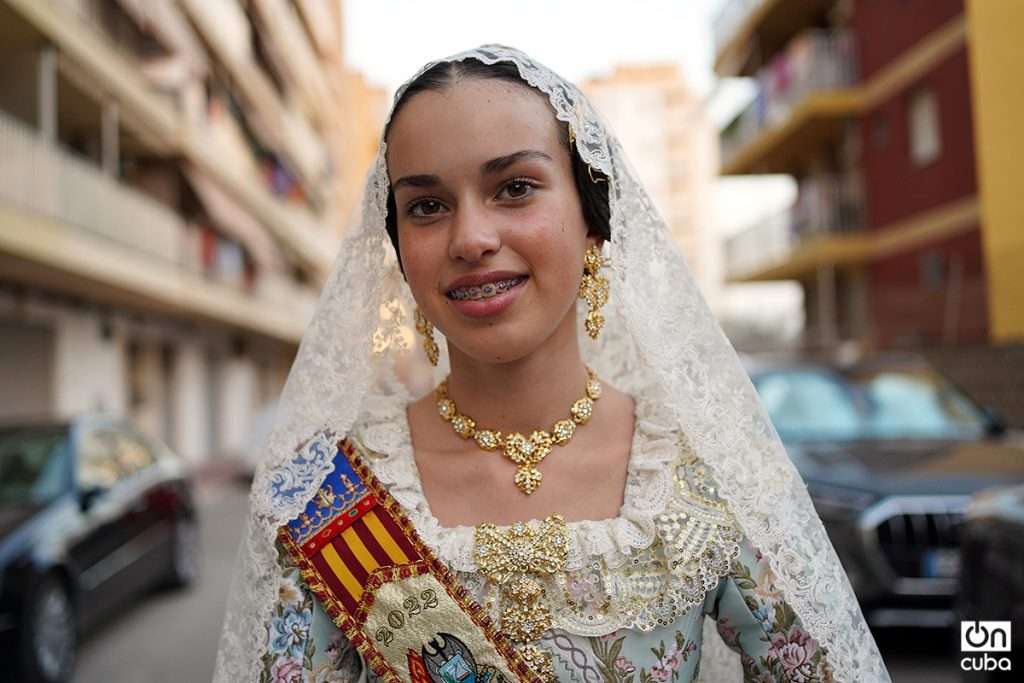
pixel 529 182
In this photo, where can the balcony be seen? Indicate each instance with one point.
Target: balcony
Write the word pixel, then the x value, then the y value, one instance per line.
pixel 732 16
pixel 65 225
pixel 804 97
pixel 91 57
pixel 749 33
pixel 823 227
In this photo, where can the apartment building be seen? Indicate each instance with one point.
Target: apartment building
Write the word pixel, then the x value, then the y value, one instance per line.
pixel 175 176
pixel 900 123
pixel 671 144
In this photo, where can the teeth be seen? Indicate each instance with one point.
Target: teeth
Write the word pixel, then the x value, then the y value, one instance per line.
pixel 485 291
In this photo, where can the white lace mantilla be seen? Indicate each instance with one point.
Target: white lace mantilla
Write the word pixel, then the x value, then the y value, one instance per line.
pixel 671 543
pixel 659 333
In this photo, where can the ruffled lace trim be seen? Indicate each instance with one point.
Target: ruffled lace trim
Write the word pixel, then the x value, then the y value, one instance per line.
pixel 384 430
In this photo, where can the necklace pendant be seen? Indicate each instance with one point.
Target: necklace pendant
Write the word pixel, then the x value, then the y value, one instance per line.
pixel 526 452
pixel 528 478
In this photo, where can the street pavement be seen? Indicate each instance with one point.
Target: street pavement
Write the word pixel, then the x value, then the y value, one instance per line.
pixel 171 637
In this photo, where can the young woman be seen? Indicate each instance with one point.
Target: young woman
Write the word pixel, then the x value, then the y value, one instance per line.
pixel 590 493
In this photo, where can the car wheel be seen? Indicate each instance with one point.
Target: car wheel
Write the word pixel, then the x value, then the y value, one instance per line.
pixel 184 553
pixel 49 639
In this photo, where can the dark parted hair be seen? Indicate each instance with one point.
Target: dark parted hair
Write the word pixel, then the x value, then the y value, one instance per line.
pixel 591 184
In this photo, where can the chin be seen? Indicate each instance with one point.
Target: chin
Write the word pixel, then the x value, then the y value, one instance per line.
pixel 495 353
pixel 494 343
pixel 508 337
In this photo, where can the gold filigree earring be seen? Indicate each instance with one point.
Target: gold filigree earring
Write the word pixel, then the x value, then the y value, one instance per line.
pixel 594 288
pixel 426 329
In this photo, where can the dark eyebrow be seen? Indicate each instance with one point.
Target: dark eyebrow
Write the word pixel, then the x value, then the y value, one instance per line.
pixel 416 181
pixel 496 165
pixel 501 163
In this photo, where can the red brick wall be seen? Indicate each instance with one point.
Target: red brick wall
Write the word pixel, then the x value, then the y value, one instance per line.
pixel 992 375
pixel 885 28
pixel 904 307
pixel 906 311
pixel 894 186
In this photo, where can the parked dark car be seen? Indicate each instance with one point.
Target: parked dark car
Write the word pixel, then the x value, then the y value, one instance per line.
pixel 92 513
pixel 992 569
pixel 891 453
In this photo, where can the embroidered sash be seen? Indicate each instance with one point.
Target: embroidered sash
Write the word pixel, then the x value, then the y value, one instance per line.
pixel 398 604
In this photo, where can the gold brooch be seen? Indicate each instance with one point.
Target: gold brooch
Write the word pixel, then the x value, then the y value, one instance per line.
pixel 516 560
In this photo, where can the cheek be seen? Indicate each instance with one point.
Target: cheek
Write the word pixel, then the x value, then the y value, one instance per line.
pixel 419 261
pixel 555 242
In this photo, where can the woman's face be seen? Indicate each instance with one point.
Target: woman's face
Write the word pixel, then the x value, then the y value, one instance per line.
pixel 485 198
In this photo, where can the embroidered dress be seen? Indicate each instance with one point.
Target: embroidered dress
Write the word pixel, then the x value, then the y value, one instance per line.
pixel 633 600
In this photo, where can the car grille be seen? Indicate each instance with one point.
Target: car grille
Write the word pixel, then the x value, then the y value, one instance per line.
pixel 917 538
pixel 907 539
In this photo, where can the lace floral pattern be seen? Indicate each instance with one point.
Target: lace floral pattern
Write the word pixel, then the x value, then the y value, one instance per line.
pixel 672 542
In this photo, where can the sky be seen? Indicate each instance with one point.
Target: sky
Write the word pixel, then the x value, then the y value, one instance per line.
pixel 388 40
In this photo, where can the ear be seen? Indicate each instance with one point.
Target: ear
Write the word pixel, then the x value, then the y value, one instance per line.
pixel 594 238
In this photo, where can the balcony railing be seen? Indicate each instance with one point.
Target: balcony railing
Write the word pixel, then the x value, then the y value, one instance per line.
pixel 38 176
pixel 815 61
pixel 825 205
pixel 768 241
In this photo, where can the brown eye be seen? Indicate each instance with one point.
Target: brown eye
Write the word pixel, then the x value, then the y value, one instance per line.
pixel 424 207
pixel 517 189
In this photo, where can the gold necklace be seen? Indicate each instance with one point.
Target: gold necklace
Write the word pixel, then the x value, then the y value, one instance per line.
pixel 527 453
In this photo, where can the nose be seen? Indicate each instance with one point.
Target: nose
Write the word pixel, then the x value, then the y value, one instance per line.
pixel 474 234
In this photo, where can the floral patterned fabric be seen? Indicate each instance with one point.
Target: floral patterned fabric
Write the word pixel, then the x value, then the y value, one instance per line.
pixel 304 646
pixel 631 604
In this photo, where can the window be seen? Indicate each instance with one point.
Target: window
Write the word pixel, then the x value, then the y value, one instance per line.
pixel 132 454
pixel 33 465
pixel 930 265
pixel 925 136
pixel 809 405
pixel 880 130
pixel 97 466
pixel 109 456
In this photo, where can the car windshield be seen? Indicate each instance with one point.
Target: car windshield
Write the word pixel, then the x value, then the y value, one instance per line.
pixel 33 464
pixel 816 404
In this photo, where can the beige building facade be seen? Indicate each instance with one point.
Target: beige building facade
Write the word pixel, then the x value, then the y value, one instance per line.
pixel 672 145
pixel 175 177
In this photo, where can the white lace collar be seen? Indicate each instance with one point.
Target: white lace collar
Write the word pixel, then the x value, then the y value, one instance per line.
pixel 384 430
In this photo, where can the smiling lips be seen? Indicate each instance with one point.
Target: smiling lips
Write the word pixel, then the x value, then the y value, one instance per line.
pixel 485 294
pixel 481 285
pixel 484 291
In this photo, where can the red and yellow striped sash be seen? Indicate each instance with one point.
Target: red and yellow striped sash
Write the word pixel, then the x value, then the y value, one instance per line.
pixel 393 599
